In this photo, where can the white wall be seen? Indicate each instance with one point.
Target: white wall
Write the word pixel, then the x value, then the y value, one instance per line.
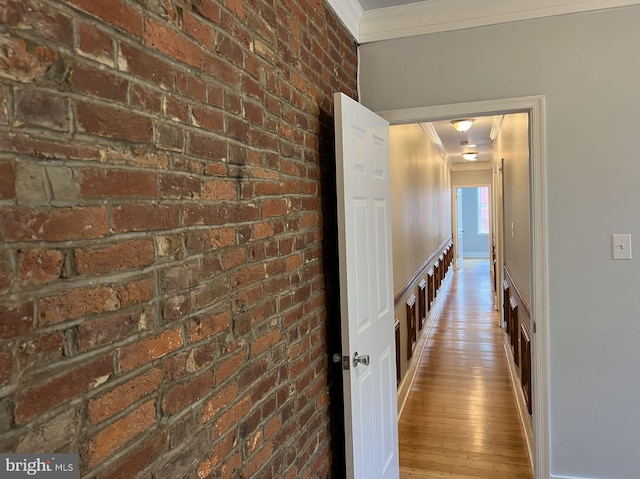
pixel 420 201
pixel 588 67
pixel 512 146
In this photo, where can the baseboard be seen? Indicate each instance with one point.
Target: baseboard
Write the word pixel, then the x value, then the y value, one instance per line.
pixel 520 402
pixel 410 376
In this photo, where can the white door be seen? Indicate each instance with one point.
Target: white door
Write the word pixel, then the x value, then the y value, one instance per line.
pixel 459 228
pixel 366 291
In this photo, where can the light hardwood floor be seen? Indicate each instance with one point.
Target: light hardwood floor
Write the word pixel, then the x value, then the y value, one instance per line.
pixel 460 420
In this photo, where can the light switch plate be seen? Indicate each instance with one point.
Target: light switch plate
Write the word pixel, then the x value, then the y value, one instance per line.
pixel 621 244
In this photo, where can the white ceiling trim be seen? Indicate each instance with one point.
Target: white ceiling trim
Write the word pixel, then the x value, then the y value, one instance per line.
pixel 432 135
pixel 350 12
pixel 444 15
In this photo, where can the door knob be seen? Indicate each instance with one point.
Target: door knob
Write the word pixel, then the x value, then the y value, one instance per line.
pixel 360 359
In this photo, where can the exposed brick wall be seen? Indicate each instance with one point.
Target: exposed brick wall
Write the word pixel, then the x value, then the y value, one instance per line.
pixel 162 258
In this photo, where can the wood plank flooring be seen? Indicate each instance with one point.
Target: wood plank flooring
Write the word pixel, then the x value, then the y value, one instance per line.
pixel 460 420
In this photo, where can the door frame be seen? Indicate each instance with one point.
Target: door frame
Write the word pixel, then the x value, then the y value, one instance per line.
pixel 535 107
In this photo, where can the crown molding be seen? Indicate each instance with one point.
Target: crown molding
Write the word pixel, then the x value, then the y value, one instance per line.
pixel 445 15
pixel 350 12
pixel 430 132
pixel 495 128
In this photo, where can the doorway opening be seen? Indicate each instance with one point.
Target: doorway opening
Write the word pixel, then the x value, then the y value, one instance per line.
pixel 534 109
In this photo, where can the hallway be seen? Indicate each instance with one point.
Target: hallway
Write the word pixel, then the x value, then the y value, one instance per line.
pixel 460 420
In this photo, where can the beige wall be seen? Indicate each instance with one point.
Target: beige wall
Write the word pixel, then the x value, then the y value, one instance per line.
pixel 512 145
pixel 421 208
pixel 471 177
pixel 421 201
pixel 586 65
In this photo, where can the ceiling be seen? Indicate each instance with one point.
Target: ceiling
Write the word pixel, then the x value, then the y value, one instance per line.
pixel 481 134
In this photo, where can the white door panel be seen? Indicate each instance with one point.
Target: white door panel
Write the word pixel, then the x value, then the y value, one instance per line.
pixel 366 290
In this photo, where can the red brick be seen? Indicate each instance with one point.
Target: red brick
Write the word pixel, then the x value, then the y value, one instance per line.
pixel 231 417
pixel 123 396
pixel 204 215
pixel 219 401
pixel 234 258
pixel 20 143
pixel 262 230
pixel 237 7
pixel 177 366
pixel 237 128
pixel 138 459
pixel 208 119
pixel 264 342
pixel 47 395
pixel 38 17
pixel 43 350
pixel 221 69
pixel 37 266
pixel 180 186
pixel 205 146
pixel 191 87
pixel 176 307
pixel 37 107
pixel 99 83
pixel 249 275
pixel 180 277
pixel 207 326
pixel 82 301
pixel 243 213
pixel 145 218
pixel 138 157
pixel 116 435
pixel 111 122
pixel 169 137
pixel 98 183
pixel 208 9
pixel 17 319
pixel 219 189
pixel 122 256
pixel 148 349
pixel 95 43
pixel 200 241
pixel 143 65
pixel 198 29
pixel 145 98
pixel 187 393
pixel 169 42
pixel 231 50
pixel 274 207
pixel 175 109
pixel 114 12
pixel 254 113
pixel 230 366
pixel 110 329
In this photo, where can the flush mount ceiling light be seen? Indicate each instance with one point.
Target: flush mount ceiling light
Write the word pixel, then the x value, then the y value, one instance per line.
pixel 462 125
pixel 471 156
pixel 467 144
